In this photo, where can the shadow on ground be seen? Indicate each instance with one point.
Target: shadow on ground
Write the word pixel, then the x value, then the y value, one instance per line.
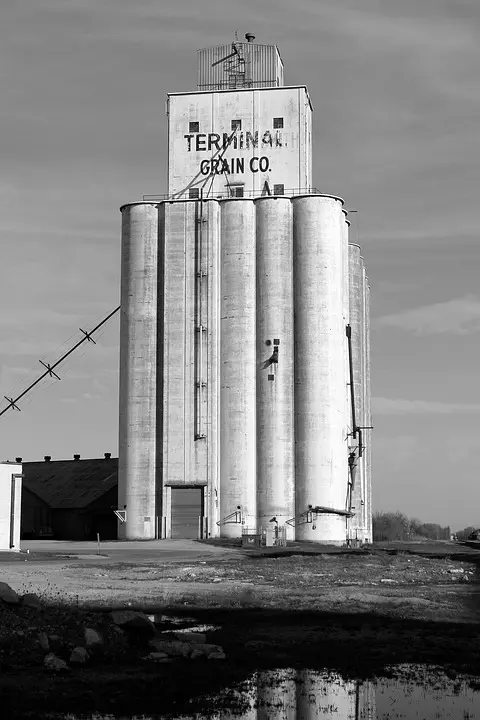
pixel 360 646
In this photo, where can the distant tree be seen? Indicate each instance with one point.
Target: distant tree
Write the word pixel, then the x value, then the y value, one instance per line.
pixel 463 534
pixel 388 526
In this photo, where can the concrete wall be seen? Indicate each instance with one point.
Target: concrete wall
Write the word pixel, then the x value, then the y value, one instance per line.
pixel 189 371
pixel 35 515
pixel 258 152
pixel 10 505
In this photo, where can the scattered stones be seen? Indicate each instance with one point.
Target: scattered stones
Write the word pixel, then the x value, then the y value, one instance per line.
pixel 8 595
pixel 44 642
pixel 93 639
pixel 54 663
pixel 31 600
pixel 454 571
pixel 79 656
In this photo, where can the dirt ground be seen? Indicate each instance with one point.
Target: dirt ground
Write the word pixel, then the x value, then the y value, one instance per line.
pixel 355 611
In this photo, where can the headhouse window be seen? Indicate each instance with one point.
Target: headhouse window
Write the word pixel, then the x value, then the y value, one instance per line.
pixel 279 189
pixel 236 124
pixel 277 123
pixel 194 193
pixel 194 127
pixel 236 191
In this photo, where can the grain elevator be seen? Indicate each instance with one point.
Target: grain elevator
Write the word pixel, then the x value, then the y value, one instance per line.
pixel 244 338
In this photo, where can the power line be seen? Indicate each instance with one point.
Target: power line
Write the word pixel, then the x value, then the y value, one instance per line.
pixel 49 372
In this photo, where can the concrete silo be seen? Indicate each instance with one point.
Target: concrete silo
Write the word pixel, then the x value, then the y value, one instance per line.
pixel 238 486
pixel 368 420
pixel 320 380
pixel 356 524
pixel 138 371
pixel 275 371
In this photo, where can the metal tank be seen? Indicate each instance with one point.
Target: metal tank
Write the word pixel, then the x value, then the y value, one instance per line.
pixel 275 377
pixel 356 524
pixel 238 486
pixel 320 445
pixel 138 371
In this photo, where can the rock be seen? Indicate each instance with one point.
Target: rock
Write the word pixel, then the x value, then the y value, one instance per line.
pixel 44 642
pixel 31 600
pixel 456 570
pixel 217 656
pixel 172 649
pixel 79 656
pixel 190 637
pixel 157 656
pixel 131 620
pixel 8 595
pixel 93 639
pixel 52 662
pixel 197 653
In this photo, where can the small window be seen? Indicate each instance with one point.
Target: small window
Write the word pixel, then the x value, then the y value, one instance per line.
pixel 194 127
pixel 236 124
pixel 194 193
pixel 277 123
pixel 278 189
pixel 236 191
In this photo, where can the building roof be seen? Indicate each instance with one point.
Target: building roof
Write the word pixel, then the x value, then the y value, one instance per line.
pixel 65 484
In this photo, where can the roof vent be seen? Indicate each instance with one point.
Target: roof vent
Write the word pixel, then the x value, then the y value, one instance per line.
pixel 76 457
pixel 108 456
pixel 18 460
pixel 249 37
pixel 47 458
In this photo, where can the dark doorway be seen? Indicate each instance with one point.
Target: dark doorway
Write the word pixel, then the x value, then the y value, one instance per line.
pixel 187 508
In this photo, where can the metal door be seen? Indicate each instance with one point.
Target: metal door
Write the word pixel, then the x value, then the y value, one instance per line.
pixel 187 508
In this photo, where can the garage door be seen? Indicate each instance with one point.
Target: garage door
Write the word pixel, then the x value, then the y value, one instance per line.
pixel 187 506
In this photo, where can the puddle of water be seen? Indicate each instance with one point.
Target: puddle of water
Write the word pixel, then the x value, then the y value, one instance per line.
pixel 172 619
pixel 416 694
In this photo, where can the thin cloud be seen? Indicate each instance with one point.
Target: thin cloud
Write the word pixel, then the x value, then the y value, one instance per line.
pixel 398 406
pixel 459 317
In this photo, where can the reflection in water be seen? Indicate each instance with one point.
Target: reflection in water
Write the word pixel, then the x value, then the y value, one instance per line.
pixel 307 695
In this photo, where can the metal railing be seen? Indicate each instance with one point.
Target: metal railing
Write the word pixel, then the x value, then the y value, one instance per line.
pixel 227 194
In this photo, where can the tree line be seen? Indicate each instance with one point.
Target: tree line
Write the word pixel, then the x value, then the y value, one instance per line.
pixel 397 526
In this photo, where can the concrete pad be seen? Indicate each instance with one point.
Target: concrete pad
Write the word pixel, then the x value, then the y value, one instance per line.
pixel 130 551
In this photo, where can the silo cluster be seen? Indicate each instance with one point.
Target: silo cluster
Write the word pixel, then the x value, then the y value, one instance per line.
pixel 243 322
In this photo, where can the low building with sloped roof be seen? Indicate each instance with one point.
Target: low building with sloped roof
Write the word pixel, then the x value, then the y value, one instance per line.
pixel 70 499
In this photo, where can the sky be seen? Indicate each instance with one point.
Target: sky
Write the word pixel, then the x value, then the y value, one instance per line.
pixel 396 93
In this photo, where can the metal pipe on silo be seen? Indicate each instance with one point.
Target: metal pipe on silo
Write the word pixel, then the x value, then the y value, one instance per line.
pixel 275 376
pixel 138 371
pixel 320 447
pixel 356 525
pixel 238 487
